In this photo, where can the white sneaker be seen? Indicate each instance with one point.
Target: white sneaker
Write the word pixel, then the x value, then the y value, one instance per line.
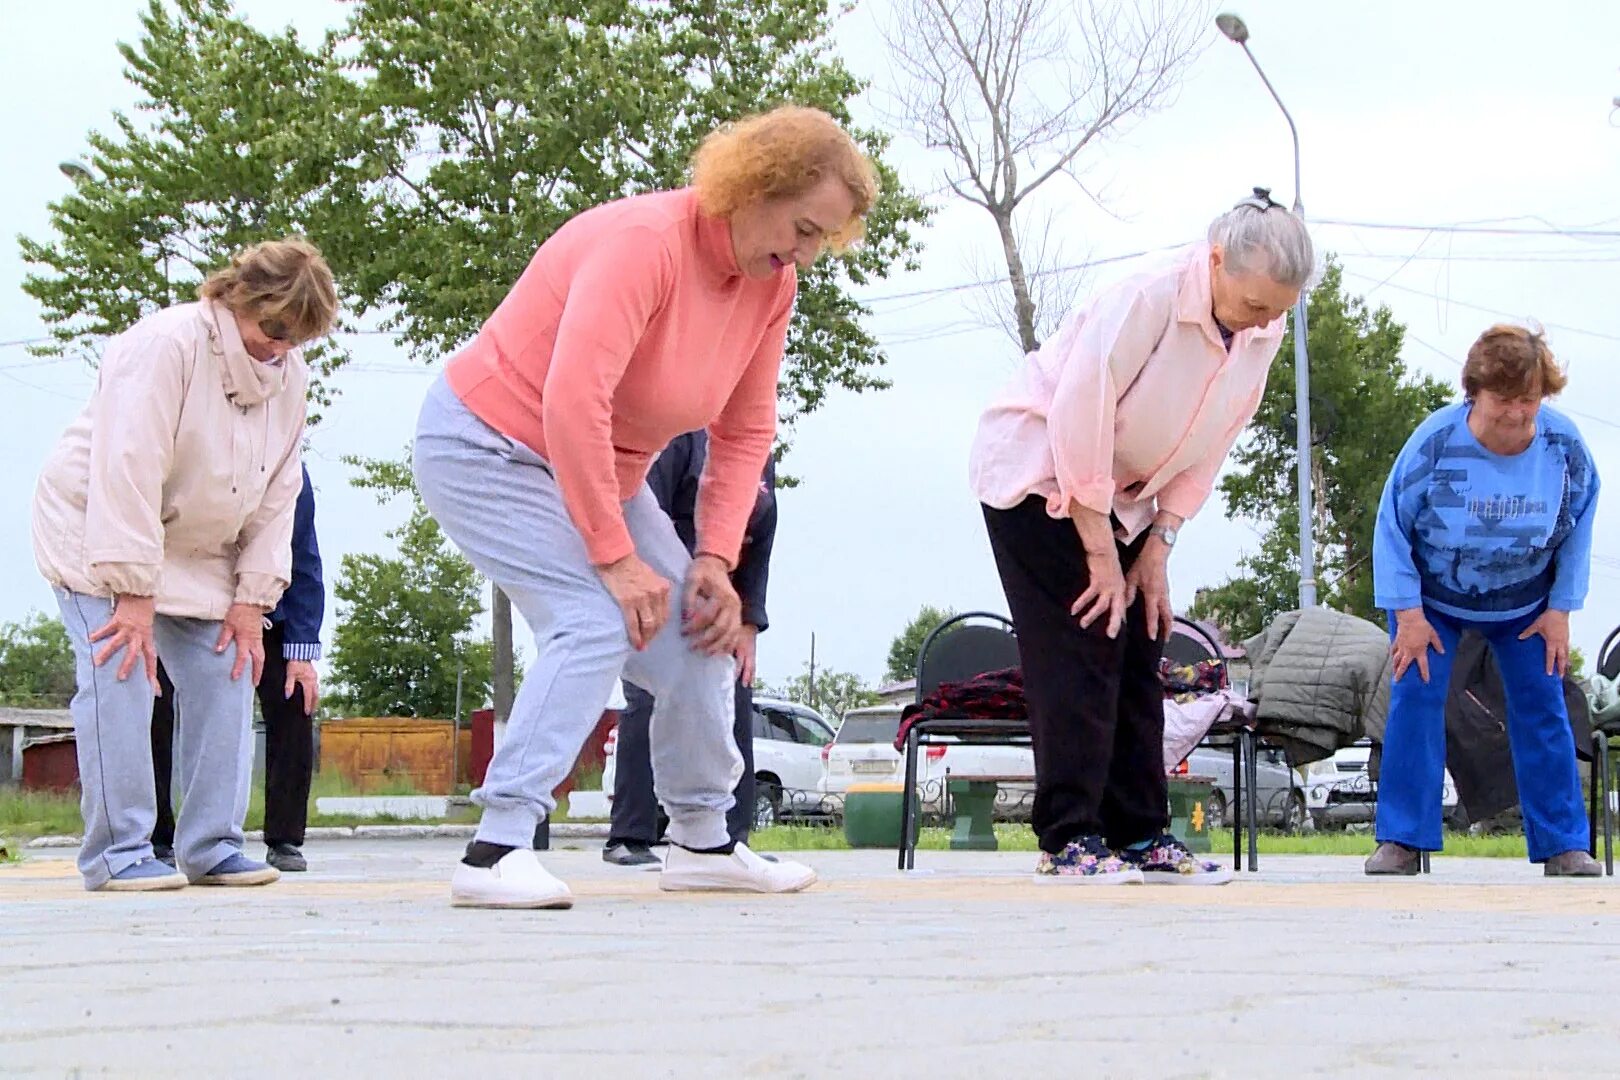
pixel 516 881
pixel 741 871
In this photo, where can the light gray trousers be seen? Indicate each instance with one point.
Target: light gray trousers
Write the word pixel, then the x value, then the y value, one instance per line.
pixel 499 503
pixel 112 725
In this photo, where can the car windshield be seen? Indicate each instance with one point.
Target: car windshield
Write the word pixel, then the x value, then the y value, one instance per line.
pixel 870 728
pixel 813 732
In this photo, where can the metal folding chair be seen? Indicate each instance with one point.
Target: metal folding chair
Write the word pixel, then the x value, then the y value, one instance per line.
pixel 955 652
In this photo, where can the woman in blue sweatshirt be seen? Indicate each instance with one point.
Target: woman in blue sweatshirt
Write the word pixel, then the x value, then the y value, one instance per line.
pixel 1486 524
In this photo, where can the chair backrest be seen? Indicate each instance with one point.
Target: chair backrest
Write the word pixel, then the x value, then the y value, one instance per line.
pixel 956 651
pixel 1608 657
pixel 1190 643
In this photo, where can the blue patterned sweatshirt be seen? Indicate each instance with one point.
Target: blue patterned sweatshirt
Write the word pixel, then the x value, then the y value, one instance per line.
pixel 1485 536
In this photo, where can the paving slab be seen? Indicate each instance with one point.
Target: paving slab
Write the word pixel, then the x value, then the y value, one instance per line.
pixel 966 967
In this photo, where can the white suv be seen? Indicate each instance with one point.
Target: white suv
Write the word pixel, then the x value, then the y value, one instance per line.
pixel 788 741
pixel 788 738
pixel 1339 790
pixel 864 751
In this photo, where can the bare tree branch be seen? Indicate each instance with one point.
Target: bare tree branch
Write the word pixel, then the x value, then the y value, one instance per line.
pixel 1014 92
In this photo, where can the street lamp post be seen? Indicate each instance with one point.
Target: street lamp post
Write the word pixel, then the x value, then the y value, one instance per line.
pixel 1237 31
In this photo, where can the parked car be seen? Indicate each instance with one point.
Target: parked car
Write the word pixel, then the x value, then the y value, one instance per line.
pixel 863 752
pixel 788 741
pixel 1339 789
pixel 1282 802
pixel 789 744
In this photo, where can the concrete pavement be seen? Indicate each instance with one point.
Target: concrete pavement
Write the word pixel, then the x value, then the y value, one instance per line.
pixel 964 968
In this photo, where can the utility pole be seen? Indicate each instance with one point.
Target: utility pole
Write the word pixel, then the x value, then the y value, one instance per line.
pixel 812 669
pixel 501 617
pixel 1237 32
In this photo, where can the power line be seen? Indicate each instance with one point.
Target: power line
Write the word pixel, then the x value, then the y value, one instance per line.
pixel 1480 307
pixel 1553 257
pixel 1484 257
pixel 1070 268
pixel 1473 230
pixel 1448 358
pixel 79 398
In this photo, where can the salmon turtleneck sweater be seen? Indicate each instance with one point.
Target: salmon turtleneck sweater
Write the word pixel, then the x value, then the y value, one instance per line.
pixel 632 325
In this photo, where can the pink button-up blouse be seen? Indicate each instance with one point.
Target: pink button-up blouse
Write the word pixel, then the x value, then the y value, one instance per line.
pixel 1132 407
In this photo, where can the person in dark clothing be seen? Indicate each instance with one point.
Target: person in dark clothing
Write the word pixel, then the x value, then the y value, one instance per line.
pixel 674 482
pixel 289 693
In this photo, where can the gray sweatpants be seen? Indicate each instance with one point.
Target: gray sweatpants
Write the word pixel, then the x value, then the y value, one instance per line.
pixel 499 503
pixel 112 724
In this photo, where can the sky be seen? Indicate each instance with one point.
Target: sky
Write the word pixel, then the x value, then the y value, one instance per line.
pixel 1449 114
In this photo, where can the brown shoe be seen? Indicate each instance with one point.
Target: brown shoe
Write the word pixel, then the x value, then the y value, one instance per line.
pixel 1393 858
pixel 1572 864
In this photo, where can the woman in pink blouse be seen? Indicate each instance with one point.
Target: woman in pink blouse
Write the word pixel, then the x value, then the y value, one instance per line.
pixel 636 321
pixel 1106 443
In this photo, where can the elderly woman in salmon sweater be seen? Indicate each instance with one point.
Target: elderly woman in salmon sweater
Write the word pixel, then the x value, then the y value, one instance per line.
pixel 1106 444
pixel 636 321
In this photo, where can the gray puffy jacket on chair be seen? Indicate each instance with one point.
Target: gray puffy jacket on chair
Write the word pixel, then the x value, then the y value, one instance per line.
pixel 1321 681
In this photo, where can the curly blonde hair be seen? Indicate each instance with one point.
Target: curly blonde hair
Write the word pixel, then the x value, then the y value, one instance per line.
pixel 779 154
pixel 285 285
pixel 1511 361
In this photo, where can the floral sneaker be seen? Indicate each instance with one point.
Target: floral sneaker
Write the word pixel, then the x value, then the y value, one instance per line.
pixel 1166 861
pixel 1086 861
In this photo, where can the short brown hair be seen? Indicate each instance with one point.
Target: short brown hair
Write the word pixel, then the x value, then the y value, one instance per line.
pixel 282 282
pixel 1511 361
pixel 779 154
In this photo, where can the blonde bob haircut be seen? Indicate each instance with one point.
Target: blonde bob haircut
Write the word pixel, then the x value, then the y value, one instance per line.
pixel 780 154
pixel 283 285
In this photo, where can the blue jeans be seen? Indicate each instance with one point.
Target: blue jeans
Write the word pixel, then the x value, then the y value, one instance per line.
pixel 1412 777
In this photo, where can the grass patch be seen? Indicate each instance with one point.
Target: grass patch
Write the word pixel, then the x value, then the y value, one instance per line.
pixel 332 785
pixel 1361 844
pixel 27 814
pixel 1013 837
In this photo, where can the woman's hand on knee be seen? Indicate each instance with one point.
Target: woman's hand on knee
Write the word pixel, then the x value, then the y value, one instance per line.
pixel 642 595
pixel 1553 626
pixel 711 612
pixel 130 629
pixel 1414 637
pixel 1104 597
pixel 244 625
pixel 1150 579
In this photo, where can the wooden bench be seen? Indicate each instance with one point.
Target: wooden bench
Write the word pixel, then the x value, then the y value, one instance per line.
pixel 973 804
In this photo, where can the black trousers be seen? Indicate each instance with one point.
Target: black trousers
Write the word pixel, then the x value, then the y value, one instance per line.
pixel 289 752
pixel 1096 707
pixel 637 818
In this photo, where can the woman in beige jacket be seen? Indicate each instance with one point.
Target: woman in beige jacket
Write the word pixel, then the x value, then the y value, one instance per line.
pixel 164 521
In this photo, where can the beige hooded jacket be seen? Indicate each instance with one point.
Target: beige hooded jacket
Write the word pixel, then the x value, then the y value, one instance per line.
pixel 179 479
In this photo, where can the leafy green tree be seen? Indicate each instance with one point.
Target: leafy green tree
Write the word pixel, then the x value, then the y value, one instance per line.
pixel 36 663
pixel 233 142
pixel 405 623
pixel 908 643
pixel 429 146
pixel 1365 403
pixel 471 158
pixel 832 693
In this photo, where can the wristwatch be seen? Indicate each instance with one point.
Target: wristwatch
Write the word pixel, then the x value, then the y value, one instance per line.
pixel 1165 533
